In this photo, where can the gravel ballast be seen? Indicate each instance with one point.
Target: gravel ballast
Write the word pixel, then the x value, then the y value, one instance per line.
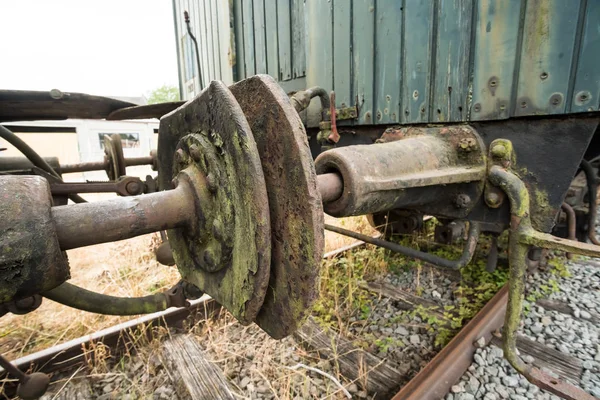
pixel 491 377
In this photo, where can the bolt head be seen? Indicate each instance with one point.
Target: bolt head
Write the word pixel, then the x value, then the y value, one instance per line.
pixel 133 188
pixel 211 181
pixel 180 156
pixel 195 152
pixel 499 151
pixel 209 259
pixel 493 199
pixel 462 200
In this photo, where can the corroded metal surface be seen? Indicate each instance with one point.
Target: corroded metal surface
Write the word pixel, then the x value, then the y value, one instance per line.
pixel 428 169
pixel 30 257
pixel 294 202
pixel 26 105
pixel 227 160
pixel 115 160
pixel 521 237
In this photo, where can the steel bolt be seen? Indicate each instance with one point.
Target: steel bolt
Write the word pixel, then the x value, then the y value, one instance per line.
pixel 462 200
pixel 180 156
pixel 477 107
pixel 212 182
pixel 195 152
pixel 493 199
pixel 467 144
pixel 499 151
pixel 209 259
pixel 217 229
pixel 133 188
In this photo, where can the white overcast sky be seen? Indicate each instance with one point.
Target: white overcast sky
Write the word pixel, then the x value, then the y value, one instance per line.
pixel 102 47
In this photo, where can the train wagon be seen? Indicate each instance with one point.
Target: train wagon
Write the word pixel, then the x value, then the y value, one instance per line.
pixel 475 111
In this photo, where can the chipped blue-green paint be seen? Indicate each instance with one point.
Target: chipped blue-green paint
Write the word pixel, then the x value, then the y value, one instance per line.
pixel 271 38
pixel 495 53
pixel 260 42
pixel 549 34
pixel 298 39
pixel 377 53
pixel 319 62
pixel 248 22
pixel 586 89
pixel 416 76
pixel 284 29
pixel 453 43
pixel 388 60
pixel 363 53
pixel 342 54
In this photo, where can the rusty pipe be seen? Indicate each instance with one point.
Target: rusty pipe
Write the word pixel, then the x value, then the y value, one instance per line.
pixel 85 224
pixel 101 165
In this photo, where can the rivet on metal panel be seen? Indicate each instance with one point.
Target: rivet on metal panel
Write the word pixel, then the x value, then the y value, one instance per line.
pixel 556 99
pixel 583 98
pixel 544 76
pixel 523 104
pixel 416 94
pixel 477 107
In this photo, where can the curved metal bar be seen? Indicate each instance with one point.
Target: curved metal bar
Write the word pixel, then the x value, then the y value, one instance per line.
pixel 86 300
pixel 592 185
pixel 186 16
pixel 302 99
pixel 465 258
pixel 521 235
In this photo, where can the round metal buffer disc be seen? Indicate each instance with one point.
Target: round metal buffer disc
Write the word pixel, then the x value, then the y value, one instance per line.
pixel 226 251
pixel 294 201
pixel 113 148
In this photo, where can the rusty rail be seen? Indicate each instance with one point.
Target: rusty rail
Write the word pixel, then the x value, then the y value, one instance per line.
pixel 437 377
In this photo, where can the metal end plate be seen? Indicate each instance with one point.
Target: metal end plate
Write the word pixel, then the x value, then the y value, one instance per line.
pixel 294 202
pixel 113 148
pixel 215 115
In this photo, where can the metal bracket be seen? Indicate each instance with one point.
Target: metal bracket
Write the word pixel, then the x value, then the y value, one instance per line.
pixel 521 237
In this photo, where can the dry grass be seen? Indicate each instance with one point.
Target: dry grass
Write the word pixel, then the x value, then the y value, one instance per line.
pixel 125 268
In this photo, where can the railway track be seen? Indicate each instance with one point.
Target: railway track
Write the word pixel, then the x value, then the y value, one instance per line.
pixel 432 382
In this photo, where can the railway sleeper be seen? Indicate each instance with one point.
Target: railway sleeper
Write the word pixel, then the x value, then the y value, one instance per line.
pixel 242 202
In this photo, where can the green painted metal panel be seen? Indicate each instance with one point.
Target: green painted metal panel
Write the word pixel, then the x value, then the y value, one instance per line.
pixel 452 51
pixel 216 43
pixel 547 52
pixel 248 24
pixel 284 33
pixel 342 55
pixel 413 61
pixel 417 52
pixel 298 39
pixel 271 38
pixel 363 54
pixel 319 62
pixel 586 89
pixel 497 41
pixel 240 65
pixel 260 43
pixel 388 60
